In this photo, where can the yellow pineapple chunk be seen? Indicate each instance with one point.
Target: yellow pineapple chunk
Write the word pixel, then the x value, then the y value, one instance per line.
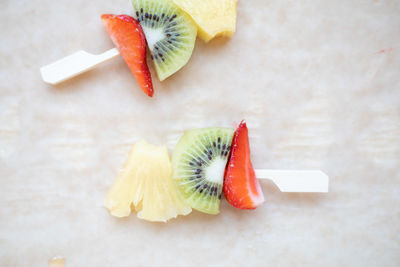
pixel 213 17
pixel 145 184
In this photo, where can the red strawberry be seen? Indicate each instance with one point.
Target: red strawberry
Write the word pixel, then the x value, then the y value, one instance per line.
pixel 127 35
pixel 241 187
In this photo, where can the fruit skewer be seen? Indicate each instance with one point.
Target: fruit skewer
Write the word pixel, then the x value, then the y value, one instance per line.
pixel 207 163
pixel 164 22
pixel 162 27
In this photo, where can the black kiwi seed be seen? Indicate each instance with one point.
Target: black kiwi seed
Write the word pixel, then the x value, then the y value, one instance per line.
pixel 219 196
pixel 205 186
pixel 137 13
pixel 198 176
pixel 198 171
pixel 146 16
pixel 172 18
pixel 219 139
pixel 201 191
pixel 214 144
pixel 223 147
pixel 141 10
pixel 191 164
pixel 219 146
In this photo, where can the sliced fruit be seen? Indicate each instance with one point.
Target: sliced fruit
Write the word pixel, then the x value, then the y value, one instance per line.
pixel 213 17
pixel 145 183
pixel 199 162
pixel 128 37
pixel 170 34
pixel 241 187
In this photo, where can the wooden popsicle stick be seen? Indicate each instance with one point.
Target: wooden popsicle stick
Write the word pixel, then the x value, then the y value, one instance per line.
pixel 296 180
pixel 74 65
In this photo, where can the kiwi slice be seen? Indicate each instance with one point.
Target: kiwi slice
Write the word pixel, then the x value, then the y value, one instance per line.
pixel 198 164
pixel 170 34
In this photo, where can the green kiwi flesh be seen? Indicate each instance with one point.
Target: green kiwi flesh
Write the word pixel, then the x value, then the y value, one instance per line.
pixel 170 34
pixel 198 165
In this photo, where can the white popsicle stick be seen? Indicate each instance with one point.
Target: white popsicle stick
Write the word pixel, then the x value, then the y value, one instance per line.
pixel 296 180
pixel 74 65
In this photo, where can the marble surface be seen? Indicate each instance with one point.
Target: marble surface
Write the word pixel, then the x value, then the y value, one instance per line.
pixel 317 81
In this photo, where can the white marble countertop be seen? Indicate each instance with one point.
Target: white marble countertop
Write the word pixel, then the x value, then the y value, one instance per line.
pixel 317 81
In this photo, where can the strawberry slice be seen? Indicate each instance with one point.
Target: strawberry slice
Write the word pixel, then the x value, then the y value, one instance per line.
pixel 241 188
pixel 127 35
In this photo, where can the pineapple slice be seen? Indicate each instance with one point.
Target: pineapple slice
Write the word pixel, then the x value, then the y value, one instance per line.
pixel 145 184
pixel 213 17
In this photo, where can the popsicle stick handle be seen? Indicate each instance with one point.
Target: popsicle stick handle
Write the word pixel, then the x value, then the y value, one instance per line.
pixel 296 180
pixel 74 65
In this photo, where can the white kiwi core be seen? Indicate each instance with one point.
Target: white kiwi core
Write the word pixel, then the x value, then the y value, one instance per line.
pixel 153 35
pixel 215 171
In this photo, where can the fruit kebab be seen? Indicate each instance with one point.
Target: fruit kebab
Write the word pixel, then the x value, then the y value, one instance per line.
pixel 168 28
pixel 206 164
